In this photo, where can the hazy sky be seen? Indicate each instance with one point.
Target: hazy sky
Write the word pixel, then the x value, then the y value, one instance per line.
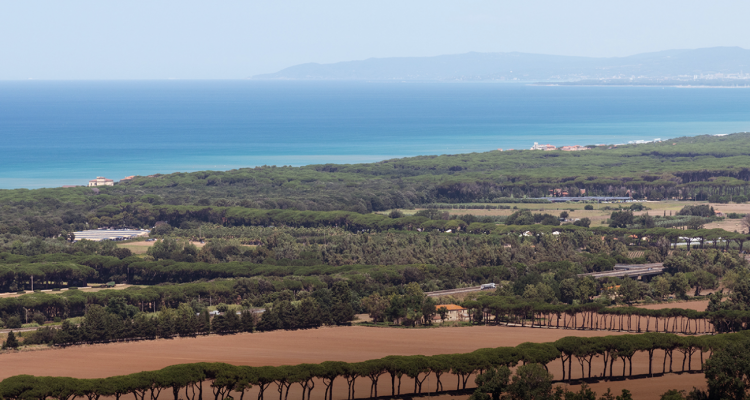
pixel 230 39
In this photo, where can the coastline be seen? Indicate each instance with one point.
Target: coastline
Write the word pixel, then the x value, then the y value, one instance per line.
pixel 83 130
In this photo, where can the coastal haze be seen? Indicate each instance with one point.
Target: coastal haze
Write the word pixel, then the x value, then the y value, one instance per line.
pixel 718 65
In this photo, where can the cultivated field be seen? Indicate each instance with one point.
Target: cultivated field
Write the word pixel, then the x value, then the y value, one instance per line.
pixel 313 346
pixel 699 305
pixel 730 224
pixel 598 215
pixel 141 247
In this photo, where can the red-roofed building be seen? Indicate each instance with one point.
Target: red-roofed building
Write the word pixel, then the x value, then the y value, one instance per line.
pixel 574 148
pixel 453 312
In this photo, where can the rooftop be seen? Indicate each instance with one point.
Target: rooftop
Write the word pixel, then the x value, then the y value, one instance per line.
pixel 450 307
pixel 109 234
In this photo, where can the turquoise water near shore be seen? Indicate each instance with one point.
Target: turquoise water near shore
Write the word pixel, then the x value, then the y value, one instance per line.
pixel 58 133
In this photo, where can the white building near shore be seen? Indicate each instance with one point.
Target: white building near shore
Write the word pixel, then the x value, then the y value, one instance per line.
pixel 101 181
pixel 545 147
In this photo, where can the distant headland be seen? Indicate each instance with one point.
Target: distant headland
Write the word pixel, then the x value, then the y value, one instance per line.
pixel 706 67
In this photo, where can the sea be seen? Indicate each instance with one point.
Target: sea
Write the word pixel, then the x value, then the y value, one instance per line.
pixel 55 133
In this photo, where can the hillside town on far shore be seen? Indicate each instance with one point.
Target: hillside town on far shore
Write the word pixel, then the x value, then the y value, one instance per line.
pixel 550 147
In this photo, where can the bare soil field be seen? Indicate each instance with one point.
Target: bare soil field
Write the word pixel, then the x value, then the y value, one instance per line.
pixel 731 225
pixel 727 224
pixel 313 346
pixel 732 208
pixel 699 305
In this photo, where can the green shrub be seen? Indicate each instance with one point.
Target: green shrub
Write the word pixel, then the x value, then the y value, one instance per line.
pixel 11 342
pixel 222 308
pixel 13 322
pixel 38 318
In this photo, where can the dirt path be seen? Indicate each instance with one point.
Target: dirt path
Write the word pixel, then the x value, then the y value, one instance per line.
pixel 313 346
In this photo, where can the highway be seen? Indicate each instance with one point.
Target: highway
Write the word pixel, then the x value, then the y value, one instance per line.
pixel 620 271
pixel 453 291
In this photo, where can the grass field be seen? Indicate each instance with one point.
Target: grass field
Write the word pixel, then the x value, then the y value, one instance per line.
pixel 141 247
pixel 89 288
pixel 135 248
pixel 598 215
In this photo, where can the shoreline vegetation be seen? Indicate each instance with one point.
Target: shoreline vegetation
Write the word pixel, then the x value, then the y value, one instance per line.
pixel 690 168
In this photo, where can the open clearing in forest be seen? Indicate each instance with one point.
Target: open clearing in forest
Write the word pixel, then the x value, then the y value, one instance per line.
pixel 141 247
pixel 317 345
pixel 598 215
pixel 87 289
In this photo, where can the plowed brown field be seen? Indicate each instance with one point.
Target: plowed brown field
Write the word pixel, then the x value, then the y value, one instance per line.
pixel 312 346
pixel 699 305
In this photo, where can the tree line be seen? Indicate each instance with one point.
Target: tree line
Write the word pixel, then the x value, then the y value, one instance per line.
pixel 723 314
pixel 540 280
pixel 175 260
pixel 246 293
pixel 120 321
pixel 356 222
pixel 224 380
pixel 596 316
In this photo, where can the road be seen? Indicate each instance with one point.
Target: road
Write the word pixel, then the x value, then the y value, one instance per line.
pixel 448 292
pixel 26 329
pixel 629 270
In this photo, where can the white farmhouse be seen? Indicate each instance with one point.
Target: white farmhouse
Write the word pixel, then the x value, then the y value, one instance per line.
pixel 101 181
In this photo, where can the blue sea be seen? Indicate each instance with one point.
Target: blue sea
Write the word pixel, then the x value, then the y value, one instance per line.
pixel 65 133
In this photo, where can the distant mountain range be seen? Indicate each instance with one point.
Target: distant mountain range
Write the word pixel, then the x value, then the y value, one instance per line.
pixel 715 64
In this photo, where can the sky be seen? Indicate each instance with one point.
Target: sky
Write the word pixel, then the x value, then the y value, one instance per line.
pixel 235 39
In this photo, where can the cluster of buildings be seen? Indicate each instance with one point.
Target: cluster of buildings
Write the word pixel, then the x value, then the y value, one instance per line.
pixel 549 147
pixel 644 141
